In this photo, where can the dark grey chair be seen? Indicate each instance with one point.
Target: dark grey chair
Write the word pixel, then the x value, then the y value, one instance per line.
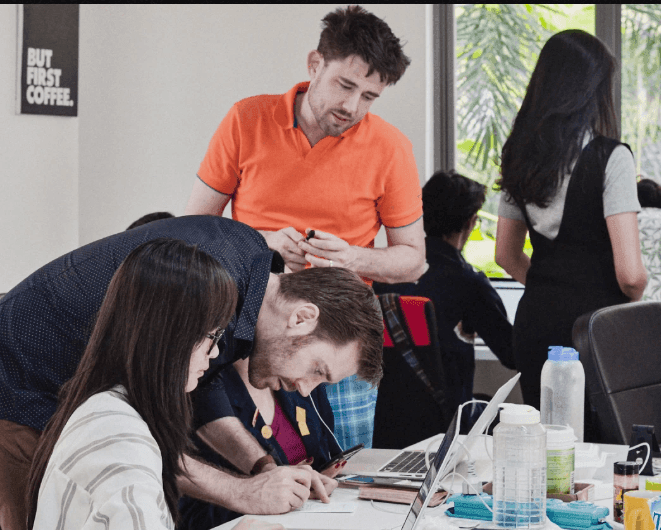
pixel 620 348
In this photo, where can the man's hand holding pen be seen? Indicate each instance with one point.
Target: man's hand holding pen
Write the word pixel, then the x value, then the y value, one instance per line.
pixel 323 249
pixel 286 241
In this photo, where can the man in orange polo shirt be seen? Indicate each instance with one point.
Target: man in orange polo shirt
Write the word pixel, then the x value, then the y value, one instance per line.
pixel 315 158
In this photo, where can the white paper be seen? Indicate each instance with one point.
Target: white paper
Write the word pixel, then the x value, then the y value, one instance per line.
pixel 332 507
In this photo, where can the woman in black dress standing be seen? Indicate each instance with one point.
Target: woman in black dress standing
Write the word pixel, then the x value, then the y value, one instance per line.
pixel 568 182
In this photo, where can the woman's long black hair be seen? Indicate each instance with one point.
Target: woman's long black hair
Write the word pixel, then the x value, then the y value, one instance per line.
pixel 162 301
pixel 569 94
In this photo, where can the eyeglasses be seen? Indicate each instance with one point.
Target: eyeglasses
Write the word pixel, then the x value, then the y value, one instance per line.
pixel 215 337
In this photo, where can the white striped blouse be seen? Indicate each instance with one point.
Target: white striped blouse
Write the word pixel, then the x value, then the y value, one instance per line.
pixel 105 472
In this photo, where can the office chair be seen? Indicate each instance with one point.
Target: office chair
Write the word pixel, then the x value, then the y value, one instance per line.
pixel 409 405
pixel 620 349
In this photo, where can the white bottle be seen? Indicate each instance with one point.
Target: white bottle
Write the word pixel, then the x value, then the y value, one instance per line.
pixel 519 469
pixel 560 459
pixel 563 390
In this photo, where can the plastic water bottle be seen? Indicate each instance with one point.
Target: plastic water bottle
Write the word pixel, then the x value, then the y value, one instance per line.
pixel 519 474
pixel 563 390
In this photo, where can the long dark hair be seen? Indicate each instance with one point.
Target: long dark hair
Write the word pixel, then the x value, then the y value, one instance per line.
pixel 162 301
pixel 569 94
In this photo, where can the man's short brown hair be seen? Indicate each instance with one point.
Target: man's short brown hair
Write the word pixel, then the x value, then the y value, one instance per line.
pixel 355 31
pixel 348 311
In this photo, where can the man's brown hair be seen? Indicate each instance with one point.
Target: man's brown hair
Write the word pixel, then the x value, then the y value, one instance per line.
pixel 355 31
pixel 348 311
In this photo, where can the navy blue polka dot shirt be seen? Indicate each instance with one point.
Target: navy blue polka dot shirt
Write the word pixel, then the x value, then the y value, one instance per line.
pixel 46 320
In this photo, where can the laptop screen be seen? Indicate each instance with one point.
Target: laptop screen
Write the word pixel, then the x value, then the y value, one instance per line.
pixel 429 484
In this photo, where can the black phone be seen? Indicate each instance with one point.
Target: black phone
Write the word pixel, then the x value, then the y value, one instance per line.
pixel 344 455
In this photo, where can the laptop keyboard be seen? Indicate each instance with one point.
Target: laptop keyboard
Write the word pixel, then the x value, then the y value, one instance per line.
pixel 408 462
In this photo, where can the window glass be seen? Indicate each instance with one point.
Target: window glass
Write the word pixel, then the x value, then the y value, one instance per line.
pixel 641 79
pixel 497 49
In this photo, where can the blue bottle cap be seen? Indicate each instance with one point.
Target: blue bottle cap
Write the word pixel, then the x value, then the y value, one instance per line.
pixel 560 353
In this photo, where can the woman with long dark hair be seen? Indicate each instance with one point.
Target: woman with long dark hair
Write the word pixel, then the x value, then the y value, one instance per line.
pixel 112 452
pixel 571 184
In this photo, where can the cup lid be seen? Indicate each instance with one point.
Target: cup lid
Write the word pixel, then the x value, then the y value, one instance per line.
pixel 561 353
pixel 626 468
pixel 518 414
pixel 559 433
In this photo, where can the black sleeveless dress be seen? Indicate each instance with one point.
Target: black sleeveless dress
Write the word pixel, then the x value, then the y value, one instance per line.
pixel 568 276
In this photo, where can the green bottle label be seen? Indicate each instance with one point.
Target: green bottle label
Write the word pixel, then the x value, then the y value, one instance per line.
pixel 560 471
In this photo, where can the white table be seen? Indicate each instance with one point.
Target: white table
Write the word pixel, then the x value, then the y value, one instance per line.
pixel 385 516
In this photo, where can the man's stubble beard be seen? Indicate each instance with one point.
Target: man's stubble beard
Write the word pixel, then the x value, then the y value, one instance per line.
pixel 270 353
pixel 327 128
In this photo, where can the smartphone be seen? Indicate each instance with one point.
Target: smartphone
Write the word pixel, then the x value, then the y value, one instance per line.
pixel 344 455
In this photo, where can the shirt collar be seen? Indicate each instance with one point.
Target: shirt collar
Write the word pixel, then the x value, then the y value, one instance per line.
pixel 438 247
pixel 284 110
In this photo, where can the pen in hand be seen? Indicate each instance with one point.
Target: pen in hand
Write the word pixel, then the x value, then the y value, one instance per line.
pixel 310 235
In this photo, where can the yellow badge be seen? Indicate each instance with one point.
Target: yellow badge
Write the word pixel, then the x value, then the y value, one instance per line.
pixel 302 424
pixel 267 432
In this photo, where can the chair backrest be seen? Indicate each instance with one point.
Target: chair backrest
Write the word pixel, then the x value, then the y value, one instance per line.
pixel 406 412
pixel 619 347
pixel 417 311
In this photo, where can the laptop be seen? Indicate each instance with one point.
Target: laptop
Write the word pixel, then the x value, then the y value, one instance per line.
pixel 408 465
pixel 437 469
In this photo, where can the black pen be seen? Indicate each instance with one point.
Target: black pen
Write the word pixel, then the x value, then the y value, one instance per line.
pixel 310 235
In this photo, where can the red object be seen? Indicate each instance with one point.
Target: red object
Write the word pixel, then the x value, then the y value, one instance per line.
pixel 287 436
pixel 413 308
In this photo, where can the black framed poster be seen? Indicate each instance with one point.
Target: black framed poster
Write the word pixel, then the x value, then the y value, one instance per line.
pixel 47 77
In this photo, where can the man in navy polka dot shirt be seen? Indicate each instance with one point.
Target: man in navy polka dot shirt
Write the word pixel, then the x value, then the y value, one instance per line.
pixel 298 330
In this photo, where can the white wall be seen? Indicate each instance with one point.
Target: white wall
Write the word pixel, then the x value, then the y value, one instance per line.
pixel 38 175
pixel 156 82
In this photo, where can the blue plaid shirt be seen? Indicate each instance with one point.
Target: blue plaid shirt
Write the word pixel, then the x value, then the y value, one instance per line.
pixel 353 403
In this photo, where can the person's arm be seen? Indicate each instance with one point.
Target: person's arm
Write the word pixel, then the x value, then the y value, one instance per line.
pixel 228 437
pixel 276 491
pixel 488 317
pixel 402 261
pixel 510 239
pixel 204 200
pixel 629 269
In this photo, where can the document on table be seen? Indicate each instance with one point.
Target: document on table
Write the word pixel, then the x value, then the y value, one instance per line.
pixel 332 507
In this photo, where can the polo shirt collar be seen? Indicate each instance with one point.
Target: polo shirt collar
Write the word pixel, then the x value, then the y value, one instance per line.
pixel 284 110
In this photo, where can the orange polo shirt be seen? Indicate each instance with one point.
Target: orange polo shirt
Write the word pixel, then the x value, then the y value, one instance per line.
pixel 347 185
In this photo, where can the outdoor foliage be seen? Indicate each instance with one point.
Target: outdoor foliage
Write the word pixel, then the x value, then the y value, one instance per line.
pixel 641 79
